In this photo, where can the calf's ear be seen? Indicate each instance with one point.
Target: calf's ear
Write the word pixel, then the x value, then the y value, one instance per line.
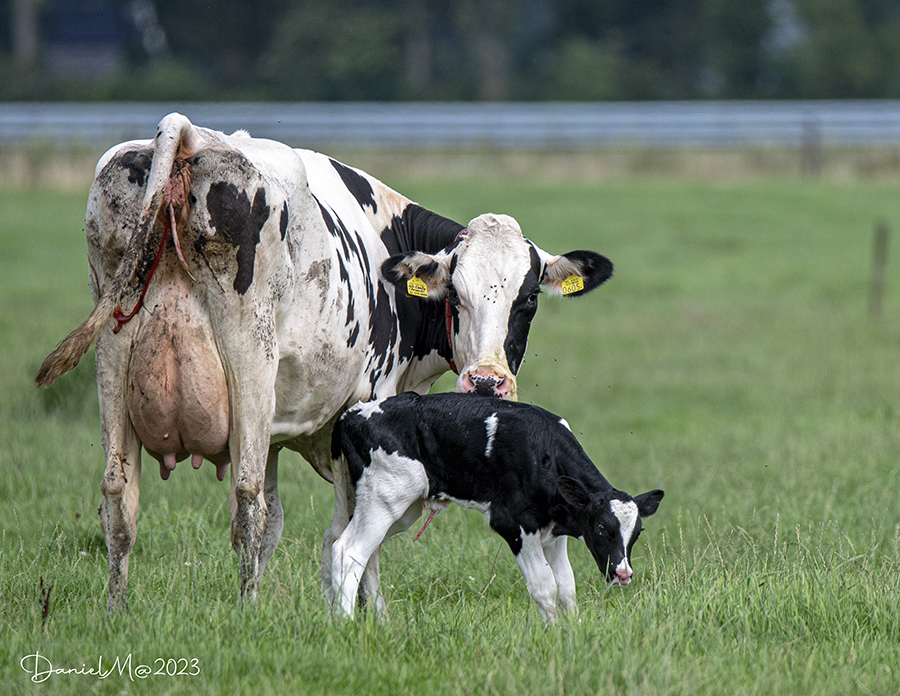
pixel 647 503
pixel 419 274
pixel 573 492
pixel 575 273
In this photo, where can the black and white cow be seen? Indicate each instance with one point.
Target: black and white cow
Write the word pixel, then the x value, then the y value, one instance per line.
pixel 241 307
pixel 518 464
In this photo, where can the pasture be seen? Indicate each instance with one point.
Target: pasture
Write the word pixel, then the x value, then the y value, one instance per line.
pixel 730 361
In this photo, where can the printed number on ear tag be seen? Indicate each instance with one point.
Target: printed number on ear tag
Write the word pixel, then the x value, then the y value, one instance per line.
pixel 415 287
pixel 573 283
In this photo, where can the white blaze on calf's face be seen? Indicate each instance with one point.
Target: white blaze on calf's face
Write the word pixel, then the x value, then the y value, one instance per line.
pixel 627 514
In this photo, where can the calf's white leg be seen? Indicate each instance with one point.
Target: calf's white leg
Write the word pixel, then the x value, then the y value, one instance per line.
pixel 370 585
pixel 538 575
pixel 384 495
pixel 555 551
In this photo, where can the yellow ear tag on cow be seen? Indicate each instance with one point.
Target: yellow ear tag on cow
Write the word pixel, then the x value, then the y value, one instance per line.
pixel 415 287
pixel 574 283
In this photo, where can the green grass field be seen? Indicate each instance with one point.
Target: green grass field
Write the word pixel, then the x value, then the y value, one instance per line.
pixel 731 362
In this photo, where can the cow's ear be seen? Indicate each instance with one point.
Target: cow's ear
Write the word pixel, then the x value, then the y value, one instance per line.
pixel 419 274
pixel 573 492
pixel 574 273
pixel 648 503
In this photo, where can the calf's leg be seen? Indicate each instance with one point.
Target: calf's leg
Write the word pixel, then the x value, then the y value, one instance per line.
pixel 539 576
pixel 557 556
pixel 370 585
pixel 384 494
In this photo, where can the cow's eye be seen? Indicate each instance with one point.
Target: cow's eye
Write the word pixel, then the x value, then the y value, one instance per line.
pixel 533 299
pixel 601 529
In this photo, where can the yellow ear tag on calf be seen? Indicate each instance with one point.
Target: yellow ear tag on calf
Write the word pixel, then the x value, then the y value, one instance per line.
pixel 574 283
pixel 415 287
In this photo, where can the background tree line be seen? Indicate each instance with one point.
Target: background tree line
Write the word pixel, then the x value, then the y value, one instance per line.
pixel 449 49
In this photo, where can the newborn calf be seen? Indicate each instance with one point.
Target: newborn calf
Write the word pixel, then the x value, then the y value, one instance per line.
pixel 518 464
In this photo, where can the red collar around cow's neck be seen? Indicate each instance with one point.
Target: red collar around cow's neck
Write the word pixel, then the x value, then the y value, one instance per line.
pixel 449 316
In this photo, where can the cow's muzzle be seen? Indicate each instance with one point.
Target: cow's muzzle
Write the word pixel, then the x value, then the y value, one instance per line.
pixel 486 383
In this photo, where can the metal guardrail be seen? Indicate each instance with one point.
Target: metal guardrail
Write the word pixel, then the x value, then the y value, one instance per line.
pixel 457 124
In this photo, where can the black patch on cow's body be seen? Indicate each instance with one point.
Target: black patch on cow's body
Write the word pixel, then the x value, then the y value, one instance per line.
pixel 345 276
pixel 137 162
pixel 239 222
pixel 418 229
pixel 382 335
pixel 283 221
pixel 422 324
pixel 351 244
pixel 354 335
pixel 351 313
pixel 356 184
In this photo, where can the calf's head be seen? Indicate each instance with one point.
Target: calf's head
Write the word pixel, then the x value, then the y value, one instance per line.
pixel 609 524
pixel 490 279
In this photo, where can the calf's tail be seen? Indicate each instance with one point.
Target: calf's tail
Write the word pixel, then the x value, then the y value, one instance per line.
pixel 168 187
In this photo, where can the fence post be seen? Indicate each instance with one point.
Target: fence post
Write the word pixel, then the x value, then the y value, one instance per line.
pixel 879 263
pixel 811 148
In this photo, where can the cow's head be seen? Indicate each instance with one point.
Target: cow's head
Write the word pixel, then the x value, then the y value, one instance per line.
pixel 491 277
pixel 609 523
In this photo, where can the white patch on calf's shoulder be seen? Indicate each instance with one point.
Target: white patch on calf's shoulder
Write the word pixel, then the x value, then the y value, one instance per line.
pixel 564 423
pixel 627 514
pixel 490 424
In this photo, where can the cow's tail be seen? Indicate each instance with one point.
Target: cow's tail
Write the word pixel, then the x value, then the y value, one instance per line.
pixel 167 190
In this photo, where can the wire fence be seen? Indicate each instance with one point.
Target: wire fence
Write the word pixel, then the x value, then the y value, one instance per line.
pixel 703 124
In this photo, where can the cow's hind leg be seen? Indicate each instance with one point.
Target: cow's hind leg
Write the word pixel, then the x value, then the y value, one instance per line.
pixel 344 499
pixel 118 516
pixel 248 526
pixel 275 517
pixel 249 445
pixel 122 479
